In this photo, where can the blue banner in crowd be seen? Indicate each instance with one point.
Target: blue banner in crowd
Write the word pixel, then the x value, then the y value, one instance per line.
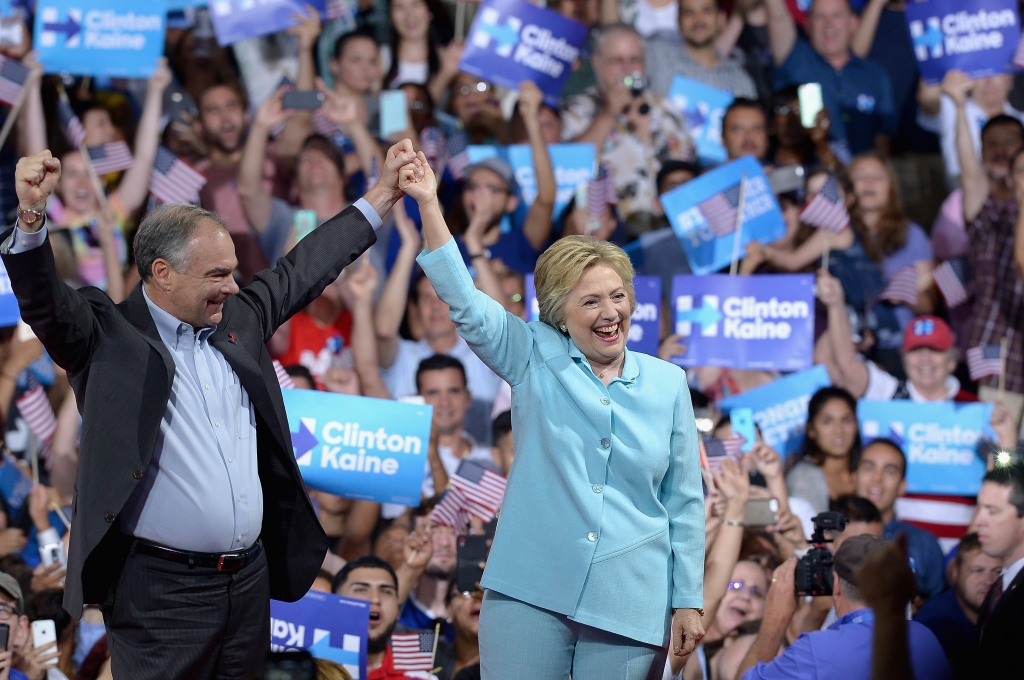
pixel 758 322
pixel 112 38
pixel 703 108
pixel 940 441
pixel 178 5
pixel 703 214
pixel 358 447
pixel 328 626
pixel 780 407
pixel 977 37
pixel 513 40
pixel 235 20
pixel 9 313
pixel 644 326
pixel 15 485
pixel 572 164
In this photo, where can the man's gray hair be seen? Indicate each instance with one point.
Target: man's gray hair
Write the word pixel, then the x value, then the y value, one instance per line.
pixel 166 233
pixel 602 34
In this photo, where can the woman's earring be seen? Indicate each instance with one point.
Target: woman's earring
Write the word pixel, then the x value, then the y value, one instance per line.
pixel 563 328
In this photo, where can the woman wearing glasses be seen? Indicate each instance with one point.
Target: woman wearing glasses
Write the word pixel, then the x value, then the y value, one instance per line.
pixel 596 569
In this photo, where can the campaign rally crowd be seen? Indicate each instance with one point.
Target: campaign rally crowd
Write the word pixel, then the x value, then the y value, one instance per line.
pixel 899 198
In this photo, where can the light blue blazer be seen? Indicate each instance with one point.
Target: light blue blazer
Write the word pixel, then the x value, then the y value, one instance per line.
pixel 603 517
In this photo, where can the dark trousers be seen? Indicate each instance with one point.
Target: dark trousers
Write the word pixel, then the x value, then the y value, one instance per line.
pixel 167 621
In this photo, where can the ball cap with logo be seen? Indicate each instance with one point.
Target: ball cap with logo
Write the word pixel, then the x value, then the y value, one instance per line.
pixel 9 586
pixel 928 331
pixel 853 552
pixel 498 167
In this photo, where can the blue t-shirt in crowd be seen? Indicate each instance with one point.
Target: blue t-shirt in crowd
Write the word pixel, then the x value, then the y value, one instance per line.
pixel 958 636
pixel 925 555
pixel 858 96
pixel 17 675
pixel 843 652
pixel 412 616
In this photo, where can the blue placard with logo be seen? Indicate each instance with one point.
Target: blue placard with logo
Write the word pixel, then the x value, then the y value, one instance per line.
pixel 572 164
pixel 703 214
pixel 9 313
pixel 780 407
pixel 644 325
pixel 758 322
pixel 359 447
pixel 977 37
pixel 328 626
pixel 235 20
pixel 940 441
pixel 702 107
pixel 512 40
pixel 113 38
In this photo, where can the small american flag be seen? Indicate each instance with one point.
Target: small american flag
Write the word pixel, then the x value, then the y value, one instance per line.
pixel 601 192
pixel 69 123
pixel 826 210
pixel 13 75
pixel 482 489
pixel 455 152
pixel 720 211
pixel 432 144
pixel 451 511
pixel 325 126
pixel 36 410
pixel 172 180
pixel 374 177
pixel 984 361
pixel 111 157
pixel 734 447
pixel 413 651
pixel 951 278
pixel 283 378
pixel 902 287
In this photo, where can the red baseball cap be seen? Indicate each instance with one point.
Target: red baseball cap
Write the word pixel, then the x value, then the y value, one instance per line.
pixel 928 331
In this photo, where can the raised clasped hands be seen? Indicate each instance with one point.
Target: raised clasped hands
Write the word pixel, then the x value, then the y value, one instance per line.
pixel 417 180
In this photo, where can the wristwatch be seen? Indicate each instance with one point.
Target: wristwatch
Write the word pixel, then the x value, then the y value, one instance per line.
pixel 30 217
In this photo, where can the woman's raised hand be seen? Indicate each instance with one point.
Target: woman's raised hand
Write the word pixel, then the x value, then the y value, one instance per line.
pixel 417 180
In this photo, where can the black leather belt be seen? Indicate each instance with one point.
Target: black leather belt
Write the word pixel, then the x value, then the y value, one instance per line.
pixel 223 562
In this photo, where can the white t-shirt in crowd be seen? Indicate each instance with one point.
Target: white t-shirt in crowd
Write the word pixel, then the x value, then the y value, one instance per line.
pixel 882 386
pixel 400 378
pixel 651 20
pixel 408 71
pixel 944 125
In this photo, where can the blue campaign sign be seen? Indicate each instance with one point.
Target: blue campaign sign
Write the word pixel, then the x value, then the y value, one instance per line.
pixel 9 314
pixel 940 441
pixel 758 322
pixel 703 108
pixel 978 37
pixel 235 20
pixel 703 213
pixel 780 407
pixel 328 626
pixel 512 40
pixel 358 447
pixel 113 38
pixel 178 5
pixel 645 324
pixel 573 164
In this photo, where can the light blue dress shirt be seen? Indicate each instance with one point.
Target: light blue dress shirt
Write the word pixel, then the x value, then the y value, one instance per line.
pixel 603 517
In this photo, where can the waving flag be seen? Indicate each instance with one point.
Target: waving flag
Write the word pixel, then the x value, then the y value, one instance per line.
pixel 432 143
pixel 902 287
pixel 482 489
pixel 952 278
pixel 172 180
pixel 325 126
pixel 111 157
pixel 826 210
pixel 456 154
pixel 413 651
pixel 70 125
pixel 13 75
pixel 36 410
pixel 451 511
pixel 283 378
pixel 720 211
pixel 601 192
pixel 984 361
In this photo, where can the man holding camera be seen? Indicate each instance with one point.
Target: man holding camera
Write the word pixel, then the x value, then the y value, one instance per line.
pixel 844 649
pixel 634 129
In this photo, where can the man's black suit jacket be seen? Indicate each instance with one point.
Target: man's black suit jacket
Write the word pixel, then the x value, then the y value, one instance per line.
pixel 121 373
pixel 1001 633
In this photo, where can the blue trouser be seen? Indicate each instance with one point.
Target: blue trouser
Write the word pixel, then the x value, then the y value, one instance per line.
pixel 518 640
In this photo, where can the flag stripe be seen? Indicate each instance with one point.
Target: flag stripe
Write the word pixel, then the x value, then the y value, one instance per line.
pixel 36 410
pixel 983 362
pixel 111 157
pixel 902 287
pixel 173 180
pixel 283 378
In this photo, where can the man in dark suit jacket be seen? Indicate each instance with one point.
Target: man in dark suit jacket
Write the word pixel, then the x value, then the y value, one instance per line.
pixel 189 512
pixel 1000 526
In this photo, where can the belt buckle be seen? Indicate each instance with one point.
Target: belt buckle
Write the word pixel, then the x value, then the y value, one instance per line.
pixel 234 562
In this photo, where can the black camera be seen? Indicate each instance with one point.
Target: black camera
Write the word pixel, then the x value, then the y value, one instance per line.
pixel 636 83
pixel 814 570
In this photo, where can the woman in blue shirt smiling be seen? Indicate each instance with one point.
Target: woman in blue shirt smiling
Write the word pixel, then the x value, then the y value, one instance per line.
pixel 597 563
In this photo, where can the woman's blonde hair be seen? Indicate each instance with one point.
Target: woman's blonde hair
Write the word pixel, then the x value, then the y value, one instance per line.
pixel 562 265
pixel 329 670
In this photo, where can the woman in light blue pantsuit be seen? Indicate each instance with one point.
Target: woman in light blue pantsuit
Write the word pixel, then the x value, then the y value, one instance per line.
pixel 598 560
